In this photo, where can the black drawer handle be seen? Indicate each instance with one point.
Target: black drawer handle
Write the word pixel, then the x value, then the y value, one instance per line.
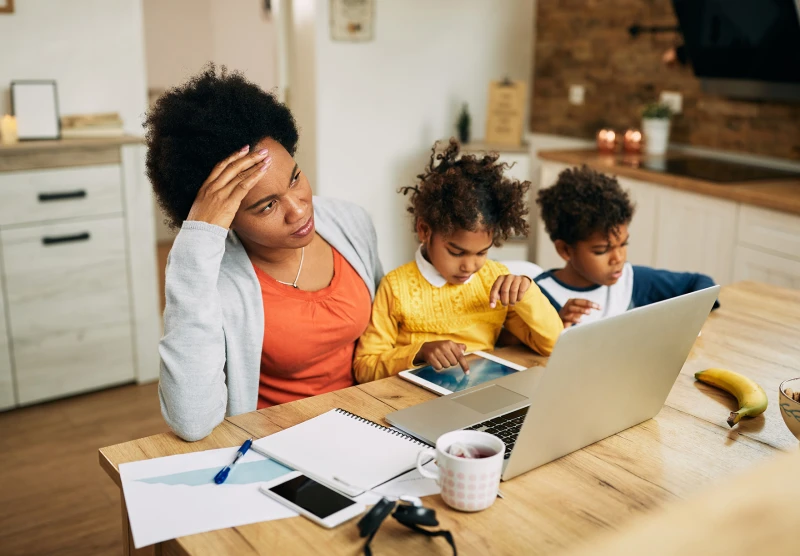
pixel 45 197
pixel 48 240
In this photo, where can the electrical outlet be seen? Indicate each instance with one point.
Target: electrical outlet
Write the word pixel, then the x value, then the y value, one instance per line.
pixel 577 94
pixel 673 99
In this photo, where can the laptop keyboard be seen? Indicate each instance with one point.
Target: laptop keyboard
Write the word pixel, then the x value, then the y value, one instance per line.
pixel 505 427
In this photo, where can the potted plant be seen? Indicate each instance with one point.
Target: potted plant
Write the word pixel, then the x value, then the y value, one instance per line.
pixel 655 126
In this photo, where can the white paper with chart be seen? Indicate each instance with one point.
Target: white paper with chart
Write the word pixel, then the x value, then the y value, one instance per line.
pixel 176 495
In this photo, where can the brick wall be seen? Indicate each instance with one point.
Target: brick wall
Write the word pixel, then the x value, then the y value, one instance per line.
pixel 586 42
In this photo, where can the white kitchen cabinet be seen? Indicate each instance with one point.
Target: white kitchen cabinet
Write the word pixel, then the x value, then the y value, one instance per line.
pixel 642 230
pixel 79 295
pixel 696 233
pixel 69 305
pixel 545 254
pixel 769 268
pixel 768 247
pixel 53 194
pixel 7 396
pixel 770 231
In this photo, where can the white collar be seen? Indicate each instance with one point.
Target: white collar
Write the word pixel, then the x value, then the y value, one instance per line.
pixel 429 271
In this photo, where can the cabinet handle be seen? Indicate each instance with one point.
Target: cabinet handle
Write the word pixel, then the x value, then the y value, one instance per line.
pixel 50 240
pixel 45 197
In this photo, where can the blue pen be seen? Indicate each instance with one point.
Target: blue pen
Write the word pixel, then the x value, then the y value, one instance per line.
pixel 223 473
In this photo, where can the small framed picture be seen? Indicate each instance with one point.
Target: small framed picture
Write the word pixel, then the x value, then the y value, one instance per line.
pixel 6 6
pixel 352 20
pixel 34 103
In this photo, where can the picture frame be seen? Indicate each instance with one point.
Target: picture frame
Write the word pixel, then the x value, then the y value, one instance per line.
pixel 505 112
pixel 6 6
pixel 352 20
pixel 34 104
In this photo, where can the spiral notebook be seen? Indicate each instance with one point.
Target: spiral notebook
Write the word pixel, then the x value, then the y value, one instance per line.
pixel 343 451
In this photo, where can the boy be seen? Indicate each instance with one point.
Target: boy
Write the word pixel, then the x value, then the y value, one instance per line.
pixel 587 214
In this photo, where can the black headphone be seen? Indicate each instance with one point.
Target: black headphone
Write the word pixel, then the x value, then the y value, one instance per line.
pixel 409 511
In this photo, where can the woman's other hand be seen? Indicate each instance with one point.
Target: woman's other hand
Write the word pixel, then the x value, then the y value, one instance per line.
pixel 227 184
pixel 509 289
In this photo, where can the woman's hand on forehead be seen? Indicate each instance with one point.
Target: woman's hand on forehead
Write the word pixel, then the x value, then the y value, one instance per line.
pixel 221 194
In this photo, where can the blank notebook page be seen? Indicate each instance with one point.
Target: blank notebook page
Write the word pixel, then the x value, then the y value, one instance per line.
pixel 339 444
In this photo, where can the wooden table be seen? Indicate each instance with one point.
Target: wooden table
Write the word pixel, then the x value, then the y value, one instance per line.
pixel 684 448
pixel 752 513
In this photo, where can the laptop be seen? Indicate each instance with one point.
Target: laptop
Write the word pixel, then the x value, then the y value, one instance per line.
pixel 602 378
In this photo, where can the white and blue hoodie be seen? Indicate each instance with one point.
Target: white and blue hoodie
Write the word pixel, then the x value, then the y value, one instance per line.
pixel 638 286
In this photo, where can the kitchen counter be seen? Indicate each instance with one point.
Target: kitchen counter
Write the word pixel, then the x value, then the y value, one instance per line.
pixel 62 153
pixel 781 195
pixel 66 144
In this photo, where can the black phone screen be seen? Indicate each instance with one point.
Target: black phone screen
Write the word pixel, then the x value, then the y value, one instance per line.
pixel 312 496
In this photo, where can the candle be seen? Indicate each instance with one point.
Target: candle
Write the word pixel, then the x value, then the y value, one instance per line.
pixel 8 130
pixel 606 140
pixel 632 141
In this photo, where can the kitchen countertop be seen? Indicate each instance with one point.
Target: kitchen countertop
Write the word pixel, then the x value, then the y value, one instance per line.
pixel 67 144
pixel 64 153
pixel 782 195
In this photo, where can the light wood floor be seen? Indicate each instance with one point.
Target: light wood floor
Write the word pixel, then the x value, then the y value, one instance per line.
pixel 54 498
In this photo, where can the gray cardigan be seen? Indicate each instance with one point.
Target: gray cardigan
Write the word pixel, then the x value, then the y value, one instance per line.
pixel 214 316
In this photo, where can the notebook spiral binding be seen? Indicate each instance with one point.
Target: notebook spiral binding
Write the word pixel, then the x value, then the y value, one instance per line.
pixel 378 426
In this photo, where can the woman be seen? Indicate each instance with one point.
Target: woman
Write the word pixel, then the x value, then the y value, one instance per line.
pixel 267 287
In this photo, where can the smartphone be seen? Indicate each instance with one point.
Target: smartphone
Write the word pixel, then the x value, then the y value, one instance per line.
pixel 319 503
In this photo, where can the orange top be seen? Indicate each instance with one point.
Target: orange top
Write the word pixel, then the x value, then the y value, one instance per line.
pixel 310 337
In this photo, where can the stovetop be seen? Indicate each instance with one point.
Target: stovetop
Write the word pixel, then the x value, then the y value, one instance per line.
pixel 711 169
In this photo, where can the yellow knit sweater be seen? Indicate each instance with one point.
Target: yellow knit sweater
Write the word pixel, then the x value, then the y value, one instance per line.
pixel 409 311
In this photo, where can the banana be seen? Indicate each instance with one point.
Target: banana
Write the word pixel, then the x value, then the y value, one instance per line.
pixel 751 397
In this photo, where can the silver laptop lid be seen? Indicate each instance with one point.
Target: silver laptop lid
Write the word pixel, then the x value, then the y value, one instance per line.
pixel 605 377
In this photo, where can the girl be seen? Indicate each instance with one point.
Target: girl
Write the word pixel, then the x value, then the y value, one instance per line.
pixel 445 302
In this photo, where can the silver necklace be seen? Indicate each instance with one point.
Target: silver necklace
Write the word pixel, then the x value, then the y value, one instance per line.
pixel 296 278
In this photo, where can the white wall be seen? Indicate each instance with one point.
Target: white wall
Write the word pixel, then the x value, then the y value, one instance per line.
pixel 244 39
pixel 380 105
pixel 178 39
pixel 92 48
pixel 182 35
pixel 301 63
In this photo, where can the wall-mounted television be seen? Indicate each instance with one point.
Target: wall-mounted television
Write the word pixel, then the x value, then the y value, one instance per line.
pixel 743 48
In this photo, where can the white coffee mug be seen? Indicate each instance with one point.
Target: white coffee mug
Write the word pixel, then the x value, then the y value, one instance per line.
pixel 467 484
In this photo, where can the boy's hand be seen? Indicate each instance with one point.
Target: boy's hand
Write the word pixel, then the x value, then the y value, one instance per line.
pixel 441 354
pixel 574 309
pixel 509 289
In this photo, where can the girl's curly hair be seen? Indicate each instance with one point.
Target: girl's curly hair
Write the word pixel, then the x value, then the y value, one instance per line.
pixel 192 127
pixel 469 193
pixel 583 202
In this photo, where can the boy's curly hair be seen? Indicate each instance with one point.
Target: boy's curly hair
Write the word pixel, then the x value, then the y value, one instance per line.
pixel 583 202
pixel 194 126
pixel 467 193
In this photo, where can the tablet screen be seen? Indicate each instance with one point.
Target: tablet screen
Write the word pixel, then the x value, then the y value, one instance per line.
pixel 453 378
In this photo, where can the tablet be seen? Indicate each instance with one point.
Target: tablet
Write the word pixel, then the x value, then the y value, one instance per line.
pixel 483 367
